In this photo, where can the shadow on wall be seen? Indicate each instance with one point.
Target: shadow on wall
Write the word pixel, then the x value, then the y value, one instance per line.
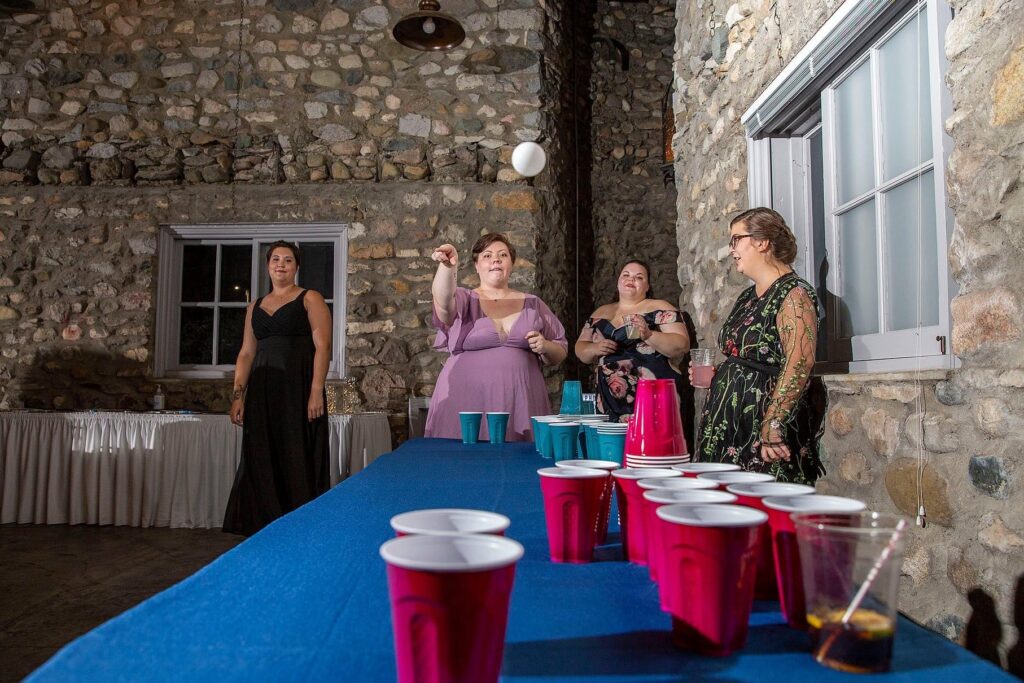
pixel 82 379
pixel 984 631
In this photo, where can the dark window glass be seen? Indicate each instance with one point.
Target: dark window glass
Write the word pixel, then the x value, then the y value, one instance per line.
pixel 264 278
pixel 317 269
pixel 232 325
pixel 235 271
pixel 196 342
pixel 198 272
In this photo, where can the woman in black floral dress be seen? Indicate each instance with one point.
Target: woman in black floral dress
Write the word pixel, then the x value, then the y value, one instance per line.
pixel 636 337
pixel 759 413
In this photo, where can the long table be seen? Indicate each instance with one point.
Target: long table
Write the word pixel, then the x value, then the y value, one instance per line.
pixel 143 469
pixel 306 599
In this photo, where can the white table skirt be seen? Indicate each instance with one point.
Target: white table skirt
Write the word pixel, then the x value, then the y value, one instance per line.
pixel 143 469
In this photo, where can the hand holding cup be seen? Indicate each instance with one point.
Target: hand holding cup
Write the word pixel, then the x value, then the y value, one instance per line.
pixel 446 255
pixel 636 327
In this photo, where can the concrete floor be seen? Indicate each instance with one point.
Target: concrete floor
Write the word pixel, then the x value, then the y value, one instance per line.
pixel 57 582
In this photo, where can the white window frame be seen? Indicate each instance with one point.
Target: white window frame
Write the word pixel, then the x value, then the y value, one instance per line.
pixel 833 52
pixel 170 252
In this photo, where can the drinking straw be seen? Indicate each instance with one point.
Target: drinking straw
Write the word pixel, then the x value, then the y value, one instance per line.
pixel 873 574
pixel 865 587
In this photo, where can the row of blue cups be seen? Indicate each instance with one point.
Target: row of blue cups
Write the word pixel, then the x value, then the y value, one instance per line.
pixel 497 426
pixel 572 437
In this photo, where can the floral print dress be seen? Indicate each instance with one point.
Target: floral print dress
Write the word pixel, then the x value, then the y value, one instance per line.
pixel 616 375
pixel 761 391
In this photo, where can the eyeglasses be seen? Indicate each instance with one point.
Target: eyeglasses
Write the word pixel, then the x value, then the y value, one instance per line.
pixel 735 239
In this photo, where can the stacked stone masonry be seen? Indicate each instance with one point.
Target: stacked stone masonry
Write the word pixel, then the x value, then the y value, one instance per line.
pixel 634 213
pixel 960 429
pixel 120 116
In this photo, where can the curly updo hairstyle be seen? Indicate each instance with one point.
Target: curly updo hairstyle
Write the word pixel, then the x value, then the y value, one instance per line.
pixel 767 224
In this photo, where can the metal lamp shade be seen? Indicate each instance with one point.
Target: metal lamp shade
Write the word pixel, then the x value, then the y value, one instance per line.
pixel 447 33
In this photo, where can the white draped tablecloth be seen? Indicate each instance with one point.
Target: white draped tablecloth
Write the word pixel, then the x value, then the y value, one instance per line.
pixel 143 469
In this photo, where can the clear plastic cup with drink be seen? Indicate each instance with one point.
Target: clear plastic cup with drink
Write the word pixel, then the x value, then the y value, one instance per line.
pixel 703 370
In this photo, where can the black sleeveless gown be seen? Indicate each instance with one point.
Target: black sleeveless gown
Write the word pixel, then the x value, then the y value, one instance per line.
pixel 285 457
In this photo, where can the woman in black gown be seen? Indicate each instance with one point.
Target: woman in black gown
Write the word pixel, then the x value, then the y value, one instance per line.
pixel 658 342
pixel 764 410
pixel 279 399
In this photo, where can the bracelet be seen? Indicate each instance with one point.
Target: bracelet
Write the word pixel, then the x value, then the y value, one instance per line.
pixel 773 443
pixel 237 394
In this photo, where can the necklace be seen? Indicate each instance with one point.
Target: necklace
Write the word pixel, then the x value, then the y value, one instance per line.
pixel 491 298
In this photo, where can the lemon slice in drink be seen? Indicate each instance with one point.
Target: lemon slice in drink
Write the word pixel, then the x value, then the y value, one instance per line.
pixel 868 623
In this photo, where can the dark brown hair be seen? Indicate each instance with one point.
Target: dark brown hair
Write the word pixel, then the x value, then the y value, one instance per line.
pixel 647 269
pixel 281 244
pixel 767 224
pixel 489 239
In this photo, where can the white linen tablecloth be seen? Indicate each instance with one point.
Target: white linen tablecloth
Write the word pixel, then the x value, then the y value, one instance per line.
pixel 143 469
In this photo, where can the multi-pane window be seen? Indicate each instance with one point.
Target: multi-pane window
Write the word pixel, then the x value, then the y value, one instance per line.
pixel 210 274
pixel 856 165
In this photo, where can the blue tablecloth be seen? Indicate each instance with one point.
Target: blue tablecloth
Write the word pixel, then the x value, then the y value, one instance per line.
pixel 306 599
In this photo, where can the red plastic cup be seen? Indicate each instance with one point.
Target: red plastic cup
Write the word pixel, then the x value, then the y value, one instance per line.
pixel 449 605
pixel 572 508
pixel 632 520
pixel 751 495
pixel 712 551
pixel 786 552
pixel 724 479
pixel 449 522
pixel 606 494
pixel 654 499
pixel 692 469
pixel 656 428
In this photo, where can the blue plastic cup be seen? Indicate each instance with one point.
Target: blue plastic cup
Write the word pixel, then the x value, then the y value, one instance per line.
pixel 497 425
pixel 564 437
pixel 611 446
pixel 542 436
pixel 470 423
pixel 572 398
pixel 590 435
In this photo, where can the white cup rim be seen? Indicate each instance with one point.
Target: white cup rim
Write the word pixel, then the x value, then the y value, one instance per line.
pixel 814 502
pixel 676 484
pixel 685 497
pixel 564 424
pixel 763 489
pixel 452 554
pixel 714 515
pixel 547 418
pixel 643 473
pixel 707 467
pixel 572 472
pixel 470 412
pixel 406 522
pixel 498 412
pixel 607 465
pixel 740 477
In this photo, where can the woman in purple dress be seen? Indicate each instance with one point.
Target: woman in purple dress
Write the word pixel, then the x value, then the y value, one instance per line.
pixel 498 339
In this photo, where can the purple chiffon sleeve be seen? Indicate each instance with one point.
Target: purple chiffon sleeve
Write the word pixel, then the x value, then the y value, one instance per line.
pixel 551 327
pixel 444 331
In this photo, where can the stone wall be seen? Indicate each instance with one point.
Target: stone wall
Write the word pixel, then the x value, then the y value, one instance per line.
pixel 962 429
pixel 633 211
pixel 119 116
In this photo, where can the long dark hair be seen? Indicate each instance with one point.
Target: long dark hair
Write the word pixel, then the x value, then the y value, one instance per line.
pixel 647 269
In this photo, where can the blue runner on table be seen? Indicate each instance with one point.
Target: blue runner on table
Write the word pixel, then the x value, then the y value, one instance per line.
pixel 306 599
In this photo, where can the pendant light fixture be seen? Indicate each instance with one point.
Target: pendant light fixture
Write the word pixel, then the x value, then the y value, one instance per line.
pixel 429 29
